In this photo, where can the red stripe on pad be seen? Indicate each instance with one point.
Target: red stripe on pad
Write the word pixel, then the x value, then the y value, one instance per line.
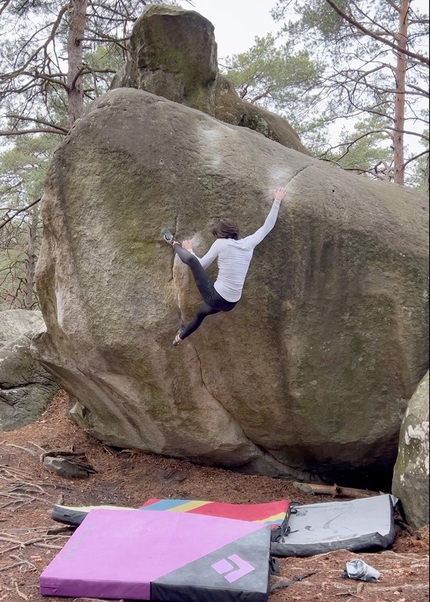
pixel 247 512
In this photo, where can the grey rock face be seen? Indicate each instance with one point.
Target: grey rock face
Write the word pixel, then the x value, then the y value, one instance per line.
pixel 26 388
pixel 309 374
pixel 174 55
pixel 411 472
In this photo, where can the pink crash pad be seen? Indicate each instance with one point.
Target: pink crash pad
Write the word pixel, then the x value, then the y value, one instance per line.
pixel 158 556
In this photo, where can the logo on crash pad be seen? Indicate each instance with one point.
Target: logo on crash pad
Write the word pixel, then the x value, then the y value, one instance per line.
pixel 233 570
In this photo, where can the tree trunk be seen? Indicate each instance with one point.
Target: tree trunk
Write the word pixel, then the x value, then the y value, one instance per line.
pixel 75 36
pixel 31 260
pixel 399 109
pixel 427 176
pixel 335 490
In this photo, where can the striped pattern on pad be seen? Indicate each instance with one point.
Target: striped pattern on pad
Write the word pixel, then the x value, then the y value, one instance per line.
pixel 269 513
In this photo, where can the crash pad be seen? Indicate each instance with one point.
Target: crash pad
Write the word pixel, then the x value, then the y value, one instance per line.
pixel 274 513
pixel 133 555
pixel 74 515
pixel 358 525
pixel 270 513
pixel 297 530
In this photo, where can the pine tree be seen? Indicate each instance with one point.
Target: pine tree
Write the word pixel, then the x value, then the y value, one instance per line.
pixel 376 63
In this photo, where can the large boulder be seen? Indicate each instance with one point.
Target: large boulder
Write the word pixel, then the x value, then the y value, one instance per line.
pixel 173 54
pixel 309 375
pixel 26 388
pixel 411 472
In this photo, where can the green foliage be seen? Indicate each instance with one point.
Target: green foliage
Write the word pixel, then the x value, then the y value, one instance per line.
pixel 23 168
pixel 317 22
pixel 22 174
pixel 367 145
pixel 317 17
pixel 270 72
pixel 419 174
pixel 283 80
pixel 100 66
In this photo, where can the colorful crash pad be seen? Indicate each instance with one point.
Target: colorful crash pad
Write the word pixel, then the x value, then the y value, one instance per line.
pixel 270 513
pixel 145 556
pixel 274 513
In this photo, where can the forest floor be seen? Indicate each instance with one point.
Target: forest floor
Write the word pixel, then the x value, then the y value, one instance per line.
pixel 29 538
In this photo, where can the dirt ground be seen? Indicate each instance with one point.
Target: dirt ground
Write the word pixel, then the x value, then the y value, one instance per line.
pixel 29 538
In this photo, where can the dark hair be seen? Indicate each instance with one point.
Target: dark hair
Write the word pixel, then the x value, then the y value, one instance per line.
pixel 226 228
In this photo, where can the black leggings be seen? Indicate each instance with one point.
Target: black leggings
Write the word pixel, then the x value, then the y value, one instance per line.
pixel 213 302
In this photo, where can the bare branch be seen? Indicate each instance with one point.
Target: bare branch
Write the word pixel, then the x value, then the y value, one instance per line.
pixel 5 4
pixel 16 212
pixel 35 131
pixel 366 31
pixel 53 79
pixel 77 76
pixel 41 121
pixel 265 94
pixel 393 5
pixel 414 158
pixel 51 36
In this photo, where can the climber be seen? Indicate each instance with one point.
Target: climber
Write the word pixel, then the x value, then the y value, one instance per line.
pixel 234 256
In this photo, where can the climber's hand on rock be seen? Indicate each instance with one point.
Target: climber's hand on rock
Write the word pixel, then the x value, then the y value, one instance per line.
pixel 278 194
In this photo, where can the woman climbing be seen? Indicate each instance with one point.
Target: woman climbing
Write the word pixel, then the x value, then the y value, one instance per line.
pixel 234 256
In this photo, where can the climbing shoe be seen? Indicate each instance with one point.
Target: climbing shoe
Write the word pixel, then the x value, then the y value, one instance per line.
pixel 167 236
pixel 177 340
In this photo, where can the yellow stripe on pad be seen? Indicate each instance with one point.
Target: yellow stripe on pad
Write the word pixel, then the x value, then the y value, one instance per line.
pixel 187 507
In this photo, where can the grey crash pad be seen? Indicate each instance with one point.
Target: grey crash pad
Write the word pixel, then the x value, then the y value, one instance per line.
pixel 358 525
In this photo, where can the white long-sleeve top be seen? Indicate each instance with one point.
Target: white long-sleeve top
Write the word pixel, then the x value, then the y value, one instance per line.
pixel 234 257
